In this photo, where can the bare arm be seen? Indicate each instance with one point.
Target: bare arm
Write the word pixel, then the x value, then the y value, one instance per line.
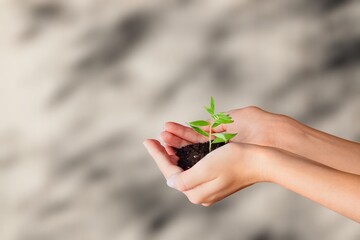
pixel 319 146
pixel 334 189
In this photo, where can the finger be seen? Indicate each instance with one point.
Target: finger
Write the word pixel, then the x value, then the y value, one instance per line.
pixel 173 140
pixel 215 192
pixel 184 132
pixel 206 204
pixel 170 150
pixel 206 193
pixel 162 158
pixel 199 174
pixel 218 129
pixel 172 154
pixel 174 159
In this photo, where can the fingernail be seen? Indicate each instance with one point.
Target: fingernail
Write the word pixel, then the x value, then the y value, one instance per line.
pixel 170 182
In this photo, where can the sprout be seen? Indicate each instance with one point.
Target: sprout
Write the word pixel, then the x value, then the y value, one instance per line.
pixel 216 120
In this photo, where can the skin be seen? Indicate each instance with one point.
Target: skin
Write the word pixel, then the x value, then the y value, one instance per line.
pixel 268 148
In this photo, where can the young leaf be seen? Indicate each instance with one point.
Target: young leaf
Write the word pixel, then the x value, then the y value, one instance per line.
pixel 229 136
pixel 200 131
pixel 212 104
pixel 225 136
pixel 222 118
pixel 223 115
pixel 209 110
pixel 215 124
pixel 220 136
pixel 224 121
pixel 218 140
pixel 198 123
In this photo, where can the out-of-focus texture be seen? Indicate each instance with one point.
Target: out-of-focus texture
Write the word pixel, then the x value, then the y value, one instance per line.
pixel 82 83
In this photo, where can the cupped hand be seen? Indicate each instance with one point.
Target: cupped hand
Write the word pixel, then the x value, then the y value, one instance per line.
pixel 219 174
pixel 252 125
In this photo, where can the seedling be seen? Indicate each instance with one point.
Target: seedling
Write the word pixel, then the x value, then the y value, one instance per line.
pixel 216 120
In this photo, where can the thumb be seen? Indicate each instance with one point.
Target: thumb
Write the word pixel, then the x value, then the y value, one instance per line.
pixel 176 181
pixel 189 179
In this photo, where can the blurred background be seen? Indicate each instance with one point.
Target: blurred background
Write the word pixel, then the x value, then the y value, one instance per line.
pixel 83 83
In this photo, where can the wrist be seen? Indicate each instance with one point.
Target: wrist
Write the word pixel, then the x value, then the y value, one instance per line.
pixel 288 134
pixel 259 162
pixel 272 162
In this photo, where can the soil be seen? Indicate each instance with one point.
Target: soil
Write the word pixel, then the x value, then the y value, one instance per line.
pixel 191 154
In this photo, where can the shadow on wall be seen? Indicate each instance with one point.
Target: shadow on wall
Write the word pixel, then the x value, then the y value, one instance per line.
pixel 116 71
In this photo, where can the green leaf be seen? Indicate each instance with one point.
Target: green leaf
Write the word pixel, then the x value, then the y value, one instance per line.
pixel 200 131
pixel 224 121
pixel 209 110
pixel 212 104
pixel 223 115
pixel 229 136
pixel 222 118
pixel 215 124
pixel 218 140
pixel 220 136
pixel 199 123
pixel 225 136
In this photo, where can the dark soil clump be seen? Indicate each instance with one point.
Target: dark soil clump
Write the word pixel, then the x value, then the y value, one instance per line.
pixel 191 154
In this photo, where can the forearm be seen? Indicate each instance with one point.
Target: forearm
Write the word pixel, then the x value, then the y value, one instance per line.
pixel 319 146
pixel 334 189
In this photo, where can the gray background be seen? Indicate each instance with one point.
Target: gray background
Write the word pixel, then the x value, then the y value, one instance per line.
pixel 83 83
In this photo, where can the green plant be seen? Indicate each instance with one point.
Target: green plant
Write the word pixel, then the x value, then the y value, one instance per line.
pixel 216 120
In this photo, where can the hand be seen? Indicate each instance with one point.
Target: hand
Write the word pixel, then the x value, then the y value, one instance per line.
pixel 278 149
pixel 252 124
pixel 255 126
pixel 221 173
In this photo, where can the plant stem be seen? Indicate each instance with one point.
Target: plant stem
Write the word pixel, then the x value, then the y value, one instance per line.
pixel 210 137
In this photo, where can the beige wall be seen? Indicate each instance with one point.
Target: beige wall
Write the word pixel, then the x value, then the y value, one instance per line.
pixel 82 83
